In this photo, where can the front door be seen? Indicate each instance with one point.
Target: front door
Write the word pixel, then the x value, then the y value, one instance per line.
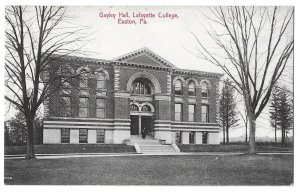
pixel 134 125
pixel 147 123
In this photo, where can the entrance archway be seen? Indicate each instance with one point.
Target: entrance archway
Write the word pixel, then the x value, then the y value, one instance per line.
pixel 141 116
pixel 145 75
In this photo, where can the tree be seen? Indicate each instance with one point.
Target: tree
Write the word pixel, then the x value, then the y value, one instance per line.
pixel 17 130
pixel 228 114
pixel 274 110
pixel 34 40
pixel 253 46
pixel 285 113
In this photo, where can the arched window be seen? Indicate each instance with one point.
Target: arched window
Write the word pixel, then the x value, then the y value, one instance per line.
pixel 83 81
pixel 140 87
pixel 134 107
pixel 101 84
pixel 178 87
pixel 146 108
pixel 191 88
pixel 204 89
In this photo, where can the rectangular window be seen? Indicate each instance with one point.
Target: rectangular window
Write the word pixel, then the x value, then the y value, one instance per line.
pixel 66 106
pixel 192 137
pixel 178 112
pixel 83 107
pixel 191 112
pixel 100 135
pixel 65 135
pixel 204 137
pixel 83 134
pixel 204 113
pixel 100 111
pixel 178 136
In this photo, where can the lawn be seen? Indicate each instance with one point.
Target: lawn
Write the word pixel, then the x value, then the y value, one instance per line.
pixel 71 148
pixel 260 147
pixel 109 148
pixel 154 170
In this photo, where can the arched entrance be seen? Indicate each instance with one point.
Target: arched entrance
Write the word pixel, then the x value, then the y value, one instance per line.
pixel 142 86
pixel 142 117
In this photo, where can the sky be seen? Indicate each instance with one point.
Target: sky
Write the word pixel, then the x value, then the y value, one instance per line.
pixel 170 37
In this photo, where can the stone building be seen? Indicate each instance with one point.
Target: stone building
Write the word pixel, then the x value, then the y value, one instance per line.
pixel 112 101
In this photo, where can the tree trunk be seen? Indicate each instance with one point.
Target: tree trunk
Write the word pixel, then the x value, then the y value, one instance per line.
pixel 282 135
pixel 29 140
pixel 223 133
pixel 246 138
pixel 275 131
pixel 227 134
pixel 252 122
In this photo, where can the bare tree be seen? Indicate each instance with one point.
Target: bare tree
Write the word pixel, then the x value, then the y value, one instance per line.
pixel 253 46
pixel 34 41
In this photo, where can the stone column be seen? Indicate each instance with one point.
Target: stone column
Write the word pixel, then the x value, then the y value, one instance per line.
pixel 213 138
pixel 92 136
pixel 140 125
pixel 185 138
pixel 74 135
pixel 198 138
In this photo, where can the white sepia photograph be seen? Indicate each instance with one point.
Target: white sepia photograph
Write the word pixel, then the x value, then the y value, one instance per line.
pixel 148 95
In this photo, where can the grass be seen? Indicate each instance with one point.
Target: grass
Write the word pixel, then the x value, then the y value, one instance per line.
pixel 233 148
pixel 106 148
pixel 154 170
pixel 71 148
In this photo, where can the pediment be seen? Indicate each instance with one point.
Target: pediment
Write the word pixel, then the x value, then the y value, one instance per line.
pixel 145 56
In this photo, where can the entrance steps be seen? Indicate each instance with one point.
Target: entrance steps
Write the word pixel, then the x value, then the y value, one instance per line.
pixel 150 145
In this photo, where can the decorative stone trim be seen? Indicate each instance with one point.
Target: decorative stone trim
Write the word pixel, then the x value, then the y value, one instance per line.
pixel 169 83
pixel 141 98
pixel 101 94
pixel 194 80
pixel 140 106
pixel 122 94
pixel 117 78
pixel 101 70
pixel 145 51
pixel 179 78
pixel 147 75
pixel 83 68
pixel 178 99
pixel 205 81
pixel 192 100
pixel 149 104
pixel 162 98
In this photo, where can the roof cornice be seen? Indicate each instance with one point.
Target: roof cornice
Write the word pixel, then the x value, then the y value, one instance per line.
pixel 148 51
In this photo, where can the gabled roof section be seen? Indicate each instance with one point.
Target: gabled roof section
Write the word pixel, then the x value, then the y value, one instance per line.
pixel 145 56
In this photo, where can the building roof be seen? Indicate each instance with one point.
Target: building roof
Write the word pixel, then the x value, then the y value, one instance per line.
pixel 145 56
